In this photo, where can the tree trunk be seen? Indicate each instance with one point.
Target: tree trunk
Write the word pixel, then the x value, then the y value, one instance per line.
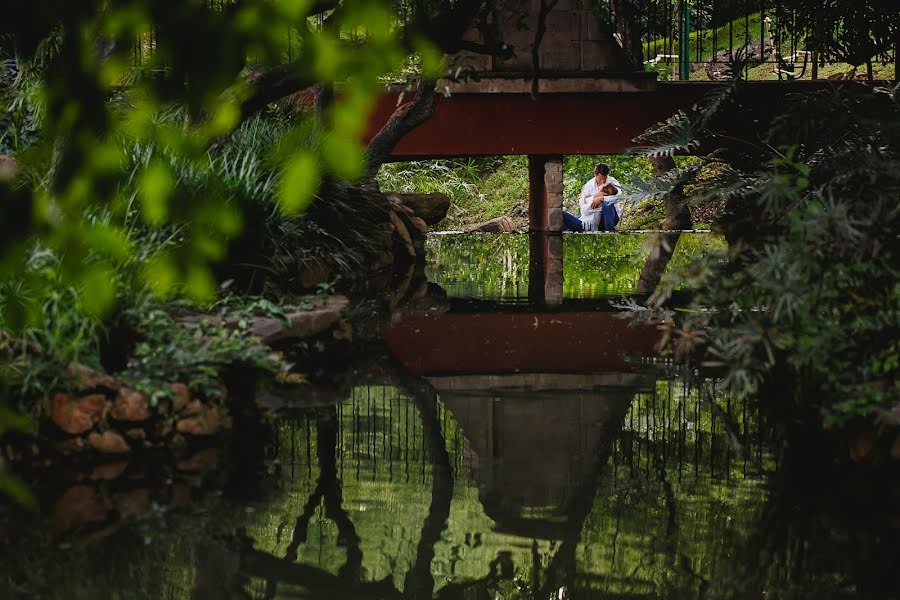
pixel 626 26
pixel 405 119
pixel 678 217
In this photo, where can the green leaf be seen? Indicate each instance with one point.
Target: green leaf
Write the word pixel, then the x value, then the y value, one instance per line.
pixel 156 185
pixel 299 183
pixel 344 158
pixel 98 291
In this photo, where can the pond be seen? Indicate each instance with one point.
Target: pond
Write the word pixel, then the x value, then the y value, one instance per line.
pixel 494 447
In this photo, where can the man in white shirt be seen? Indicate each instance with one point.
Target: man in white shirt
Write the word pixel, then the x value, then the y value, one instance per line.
pixel 600 211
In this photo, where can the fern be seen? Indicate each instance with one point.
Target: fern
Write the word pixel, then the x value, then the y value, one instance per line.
pixel 678 133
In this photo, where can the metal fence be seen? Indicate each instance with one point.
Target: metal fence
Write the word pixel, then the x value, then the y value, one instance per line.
pixel 710 39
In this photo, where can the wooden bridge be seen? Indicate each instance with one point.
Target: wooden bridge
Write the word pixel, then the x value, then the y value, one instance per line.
pixel 588 85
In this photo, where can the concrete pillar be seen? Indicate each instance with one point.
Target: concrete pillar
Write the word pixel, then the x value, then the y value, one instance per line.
pixel 545 193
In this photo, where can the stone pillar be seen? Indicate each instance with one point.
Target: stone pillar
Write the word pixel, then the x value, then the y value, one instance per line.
pixel 545 268
pixel 537 194
pixel 545 193
pixel 553 272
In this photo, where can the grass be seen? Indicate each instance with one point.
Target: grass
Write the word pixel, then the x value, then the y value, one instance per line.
pixel 484 188
pixel 479 188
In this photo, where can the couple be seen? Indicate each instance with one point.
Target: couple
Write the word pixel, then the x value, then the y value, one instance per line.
pixel 600 202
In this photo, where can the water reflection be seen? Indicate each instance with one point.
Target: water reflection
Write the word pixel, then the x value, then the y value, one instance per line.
pixel 496 267
pixel 516 492
pixel 490 450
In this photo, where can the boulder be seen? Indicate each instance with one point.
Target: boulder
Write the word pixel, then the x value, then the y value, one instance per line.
pixel 130 405
pixel 9 169
pixel 108 471
pixel 496 225
pixel 402 232
pixel 182 396
pixel 303 324
pixel 86 378
pixel 431 208
pixel 80 505
pixel 70 446
pixel 108 442
pixel 133 502
pixel 208 422
pixel 419 224
pixel 78 416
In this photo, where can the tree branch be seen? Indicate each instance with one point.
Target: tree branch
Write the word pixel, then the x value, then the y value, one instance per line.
pixel 268 84
pixel 546 7
pixel 406 118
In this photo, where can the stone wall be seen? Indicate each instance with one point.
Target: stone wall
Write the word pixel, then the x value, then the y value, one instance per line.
pixel 574 41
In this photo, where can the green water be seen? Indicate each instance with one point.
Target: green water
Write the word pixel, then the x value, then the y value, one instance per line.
pixel 644 482
pixel 496 266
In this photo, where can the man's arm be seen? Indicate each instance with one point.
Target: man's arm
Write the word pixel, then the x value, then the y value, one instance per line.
pixel 585 200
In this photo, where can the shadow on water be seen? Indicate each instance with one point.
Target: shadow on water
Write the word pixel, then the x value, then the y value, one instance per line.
pixel 499 446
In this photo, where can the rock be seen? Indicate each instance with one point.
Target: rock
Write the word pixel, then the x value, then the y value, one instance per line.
pixel 108 442
pixel 313 274
pixel 384 259
pixel 202 461
pixel 181 495
pixel 431 208
pixel 9 169
pixel 192 408
pixel 79 416
pixel 207 422
pixel 80 505
pixel 182 396
pixel 71 446
pixel 130 405
pixel 133 502
pixel 402 233
pixel 862 445
pixel 136 433
pixel 108 471
pixel 86 378
pixel 419 224
pixel 304 324
pixel 496 225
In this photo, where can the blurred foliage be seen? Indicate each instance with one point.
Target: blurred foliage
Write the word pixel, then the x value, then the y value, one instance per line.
pixel 807 294
pixel 75 71
pixel 133 166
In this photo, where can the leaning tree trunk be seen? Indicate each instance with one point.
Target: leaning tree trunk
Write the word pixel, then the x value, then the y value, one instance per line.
pixel 678 217
pixel 405 119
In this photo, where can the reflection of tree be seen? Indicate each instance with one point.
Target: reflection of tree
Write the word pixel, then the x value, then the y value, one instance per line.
pixel 328 488
pixel 419 581
pixel 656 263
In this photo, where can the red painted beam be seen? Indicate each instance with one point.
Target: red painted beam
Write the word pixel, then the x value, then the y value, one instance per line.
pixel 471 343
pixel 467 124
pixel 563 123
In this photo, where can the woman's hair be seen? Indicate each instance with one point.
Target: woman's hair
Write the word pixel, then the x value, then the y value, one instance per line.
pixel 609 189
pixel 601 169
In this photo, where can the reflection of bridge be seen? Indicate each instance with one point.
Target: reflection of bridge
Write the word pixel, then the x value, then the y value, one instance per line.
pixel 540 397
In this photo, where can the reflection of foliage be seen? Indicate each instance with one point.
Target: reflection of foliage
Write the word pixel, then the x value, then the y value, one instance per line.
pixel 496 266
pixel 684 507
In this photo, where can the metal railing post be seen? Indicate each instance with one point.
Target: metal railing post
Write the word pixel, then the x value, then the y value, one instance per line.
pixel 684 43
